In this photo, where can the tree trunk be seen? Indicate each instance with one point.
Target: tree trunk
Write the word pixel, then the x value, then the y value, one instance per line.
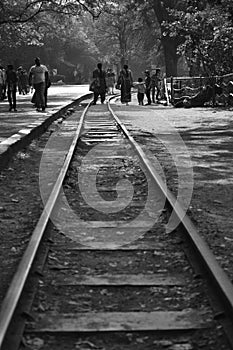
pixel 171 58
pixel 171 43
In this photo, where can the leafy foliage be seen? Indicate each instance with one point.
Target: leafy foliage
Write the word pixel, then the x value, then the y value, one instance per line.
pixel 134 31
pixel 208 33
pixel 45 34
pixel 119 31
pixel 22 11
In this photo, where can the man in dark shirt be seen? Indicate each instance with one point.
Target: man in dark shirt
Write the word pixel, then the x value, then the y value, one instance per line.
pixel 99 83
pixel 155 84
pixel 148 86
pixel 11 83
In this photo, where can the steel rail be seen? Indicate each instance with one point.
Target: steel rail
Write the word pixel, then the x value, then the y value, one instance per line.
pixel 212 267
pixel 18 282
pixel 15 290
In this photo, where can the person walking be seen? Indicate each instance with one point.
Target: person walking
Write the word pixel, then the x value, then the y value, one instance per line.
pixel 125 82
pixel 99 84
pixel 155 84
pixel 38 77
pixel 11 83
pixel 22 81
pixel 110 81
pixel 141 88
pixel 47 85
pixel 2 82
pixel 148 86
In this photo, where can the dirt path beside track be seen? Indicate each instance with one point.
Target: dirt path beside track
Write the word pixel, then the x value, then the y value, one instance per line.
pixel 207 134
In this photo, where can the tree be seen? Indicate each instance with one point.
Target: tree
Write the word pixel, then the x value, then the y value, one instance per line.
pixel 22 17
pixel 47 34
pixel 25 26
pixel 208 33
pixel 161 10
pixel 22 11
pixel 169 40
pixel 119 34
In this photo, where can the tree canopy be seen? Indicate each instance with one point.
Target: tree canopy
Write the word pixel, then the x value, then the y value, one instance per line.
pixel 139 32
pixel 208 36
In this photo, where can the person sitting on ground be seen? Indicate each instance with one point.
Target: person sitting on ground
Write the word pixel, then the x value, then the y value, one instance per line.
pixel 205 94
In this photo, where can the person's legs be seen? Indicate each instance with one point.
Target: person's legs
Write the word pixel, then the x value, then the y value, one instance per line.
pixel 33 100
pixel 1 91
pixel 102 96
pixel 140 98
pixel 9 99
pixel 42 95
pixel 36 96
pixel 14 98
pixel 157 93
pixel 153 94
pixel 96 95
pixel 46 97
pixel 148 96
pixel 4 92
pixel 40 99
pixel 20 87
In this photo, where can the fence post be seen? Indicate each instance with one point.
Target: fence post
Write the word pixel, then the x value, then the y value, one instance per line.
pixel 172 92
pixel 166 91
pixel 214 93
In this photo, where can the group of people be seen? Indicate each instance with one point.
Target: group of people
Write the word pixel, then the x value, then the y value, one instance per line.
pixel 8 85
pixel 103 82
pixel 150 86
pixel 38 78
pixel 20 81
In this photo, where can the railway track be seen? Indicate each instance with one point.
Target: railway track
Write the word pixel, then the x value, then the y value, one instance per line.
pixel 104 273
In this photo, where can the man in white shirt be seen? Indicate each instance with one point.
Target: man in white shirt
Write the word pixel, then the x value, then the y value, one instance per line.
pixel 38 77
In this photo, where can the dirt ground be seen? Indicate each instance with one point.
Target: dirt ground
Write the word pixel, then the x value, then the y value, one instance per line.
pixel 207 137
